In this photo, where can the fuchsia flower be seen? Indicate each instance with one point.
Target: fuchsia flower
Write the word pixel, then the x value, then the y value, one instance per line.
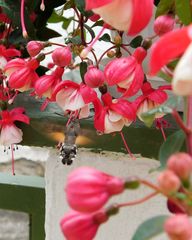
pixel 78 226
pixel 22 75
pixel 126 72
pixel 125 15
pixel 150 99
pixel 163 24
pixel 6 54
pixel 94 77
pixel 45 85
pixel 62 56
pixel 113 115
pixel 10 134
pixel 72 96
pixel 178 227
pixel 88 189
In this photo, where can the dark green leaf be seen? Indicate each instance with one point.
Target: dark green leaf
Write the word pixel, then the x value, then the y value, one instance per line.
pixel 69 4
pixel 55 18
pixel 4 4
pixel 80 4
pixel 150 228
pixel 75 40
pixel 106 38
pixel 90 30
pixel 46 33
pixel 183 10
pixel 164 7
pixel 98 23
pixel 136 42
pixel 172 145
pixel 83 69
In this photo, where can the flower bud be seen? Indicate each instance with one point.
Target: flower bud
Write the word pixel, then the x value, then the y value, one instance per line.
pixel 88 190
pixel 163 24
pixel 180 164
pixel 62 56
pixel 168 182
pixel 178 227
pixel 117 40
pixel 111 54
pixel 94 77
pixel 34 48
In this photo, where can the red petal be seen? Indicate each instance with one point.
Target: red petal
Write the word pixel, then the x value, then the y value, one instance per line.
pixel 169 46
pixel 99 118
pixel 90 4
pixel 158 96
pixel 87 93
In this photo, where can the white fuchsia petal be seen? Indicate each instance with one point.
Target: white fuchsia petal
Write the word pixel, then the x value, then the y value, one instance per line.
pixel 10 134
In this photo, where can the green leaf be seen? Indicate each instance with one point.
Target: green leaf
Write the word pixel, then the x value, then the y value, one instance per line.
pixel 83 69
pixel 150 228
pixel 80 4
pixel 167 78
pixel 172 145
pixel 106 38
pixel 75 40
pixel 164 7
pixel 55 18
pixel 90 30
pixel 4 4
pixel 136 42
pixel 45 34
pixel 183 10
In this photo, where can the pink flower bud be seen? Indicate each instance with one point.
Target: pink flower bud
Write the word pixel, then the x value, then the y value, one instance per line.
pixel 168 182
pixel 34 48
pixel 181 165
pixel 94 77
pixel 163 24
pixel 88 189
pixel 78 226
pixel 178 227
pixel 62 56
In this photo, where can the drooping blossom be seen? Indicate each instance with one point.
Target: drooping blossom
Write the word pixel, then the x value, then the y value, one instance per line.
pixel 181 164
pixel 71 96
pixel 45 85
pixel 169 47
pixel 178 227
pixel 163 24
pixel 10 134
pixel 62 56
pixel 6 54
pixel 34 47
pixel 127 73
pixel 88 189
pixel 80 226
pixel 150 99
pixel 130 16
pixel 113 115
pixel 94 77
pixel 21 74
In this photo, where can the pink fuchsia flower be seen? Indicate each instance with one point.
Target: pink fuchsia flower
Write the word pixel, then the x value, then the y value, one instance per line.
pixel 169 47
pixel 181 164
pixel 22 75
pixel 163 24
pixel 169 182
pixel 34 47
pixel 6 54
pixel 71 96
pixel 10 134
pixel 178 227
pixel 45 85
pixel 125 15
pixel 126 73
pixel 94 77
pixel 62 56
pixel 114 115
pixel 79 226
pixel 150 99
pixel 88 189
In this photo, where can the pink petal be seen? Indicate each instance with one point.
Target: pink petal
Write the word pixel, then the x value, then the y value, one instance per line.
pixel 158 96
pixel 90 4
pixel 84 113
pixel 168 47
pixel 99 117
pixel 113 116
pixel 87 93
pixel 10 134
pixel 113 126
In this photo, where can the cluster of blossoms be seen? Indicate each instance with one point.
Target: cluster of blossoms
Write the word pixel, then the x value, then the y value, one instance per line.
pixel 88 189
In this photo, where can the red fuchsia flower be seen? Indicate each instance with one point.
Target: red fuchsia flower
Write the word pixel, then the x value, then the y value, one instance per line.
pixel 114 115
pixel 169 47
pixel 79 226
pixel 181 165
pixel 94 77
pixel 10 134
pixel 45 85
pixel 88 189
pixel 6 54
pixel 169 182
pixel 178 227
pixel 71 96
pixel 163 24
pixel 126 72
pixel 150 99
pixel 22 75
pixel 34 48
pixel 62 56
pixel 125 15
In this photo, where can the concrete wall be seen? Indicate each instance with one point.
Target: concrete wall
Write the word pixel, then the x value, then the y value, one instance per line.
pixel 121 226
